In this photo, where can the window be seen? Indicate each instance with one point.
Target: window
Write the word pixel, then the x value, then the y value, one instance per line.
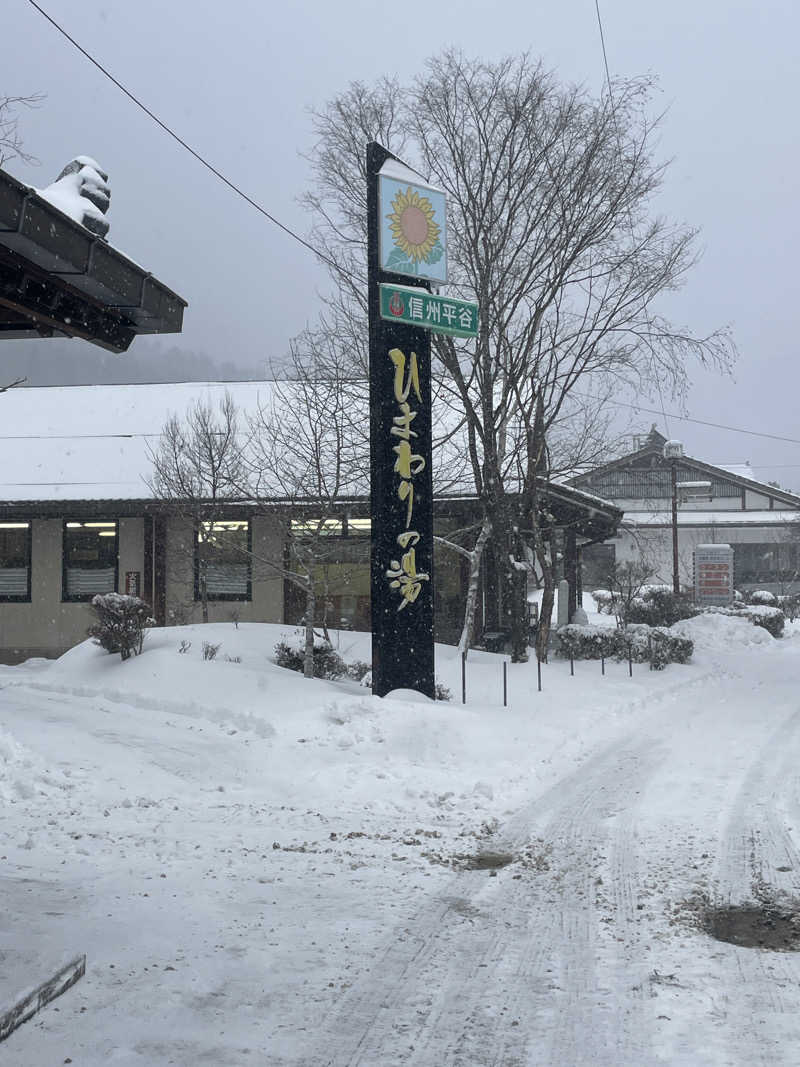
pixel 222 560
pixel 90 559
pixel 336 554
pixel 767 562
pixel 15 561
pixel 598 563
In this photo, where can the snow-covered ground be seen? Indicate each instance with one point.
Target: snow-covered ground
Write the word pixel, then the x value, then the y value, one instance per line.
pixel 268 870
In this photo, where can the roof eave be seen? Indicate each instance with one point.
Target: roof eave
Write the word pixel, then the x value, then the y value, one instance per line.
pixel 90 289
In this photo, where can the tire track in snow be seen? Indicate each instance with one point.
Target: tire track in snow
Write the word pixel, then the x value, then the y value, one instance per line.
pixel 521 979
pixel 757 845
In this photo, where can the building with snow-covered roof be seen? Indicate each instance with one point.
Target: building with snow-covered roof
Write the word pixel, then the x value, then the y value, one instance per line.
pixel 716 505
pixel 78 517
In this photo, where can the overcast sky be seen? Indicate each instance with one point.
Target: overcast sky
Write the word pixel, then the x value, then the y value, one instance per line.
pixel 236 80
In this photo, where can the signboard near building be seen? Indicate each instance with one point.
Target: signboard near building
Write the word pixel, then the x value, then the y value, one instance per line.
pixel 412 224
pixel 405 238
pixel 713 575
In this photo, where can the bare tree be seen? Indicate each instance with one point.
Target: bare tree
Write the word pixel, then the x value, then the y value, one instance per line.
pixel 308 448
pixel 197 466
pixel 549 194
pixel 625 582
pixel 10 136
pixel 474 556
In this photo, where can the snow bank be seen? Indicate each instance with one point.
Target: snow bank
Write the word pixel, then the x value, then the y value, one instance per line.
pixel 721 633
pixel 321 740
pixel 24 776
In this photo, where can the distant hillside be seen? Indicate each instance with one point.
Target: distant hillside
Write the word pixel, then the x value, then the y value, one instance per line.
pixel 65 362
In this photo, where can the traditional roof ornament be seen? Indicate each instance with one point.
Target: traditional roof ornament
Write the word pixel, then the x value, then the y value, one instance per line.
pixel 82 191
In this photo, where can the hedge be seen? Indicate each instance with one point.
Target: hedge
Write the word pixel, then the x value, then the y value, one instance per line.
pixel 771 619
pixel 644 644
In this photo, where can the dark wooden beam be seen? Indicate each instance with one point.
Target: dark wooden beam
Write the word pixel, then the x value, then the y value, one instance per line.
pixel 46 303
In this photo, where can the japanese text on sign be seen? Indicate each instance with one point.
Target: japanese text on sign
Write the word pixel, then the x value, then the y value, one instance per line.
pixel 403 572
pixel 399 303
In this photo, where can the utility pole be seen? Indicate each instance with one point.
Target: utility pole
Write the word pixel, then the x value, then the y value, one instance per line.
pixel 673 450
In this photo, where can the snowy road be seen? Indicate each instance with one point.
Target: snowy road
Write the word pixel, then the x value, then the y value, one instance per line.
pixel 584 952
pixel 225 927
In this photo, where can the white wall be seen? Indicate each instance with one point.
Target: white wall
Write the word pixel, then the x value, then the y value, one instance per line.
pixel 654 545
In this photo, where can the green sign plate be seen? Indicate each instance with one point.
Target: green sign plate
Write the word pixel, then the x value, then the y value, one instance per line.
pixel 418 307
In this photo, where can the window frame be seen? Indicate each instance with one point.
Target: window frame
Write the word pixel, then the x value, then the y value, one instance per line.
pixel 85 598
pixel 24 598
pixel 782 571
pixel 241 598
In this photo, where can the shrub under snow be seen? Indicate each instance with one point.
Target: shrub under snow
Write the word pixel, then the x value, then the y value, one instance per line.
pixel 657 605
pixel 762 596
pixel 327 661
pixel 604 599
pixel 643 643
pixel 122 622
pixel 771 619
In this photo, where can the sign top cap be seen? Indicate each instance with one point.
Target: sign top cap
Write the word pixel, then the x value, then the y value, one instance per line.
pixel 393 168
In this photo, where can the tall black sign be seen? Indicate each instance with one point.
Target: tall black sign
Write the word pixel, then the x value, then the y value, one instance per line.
pixel 401 478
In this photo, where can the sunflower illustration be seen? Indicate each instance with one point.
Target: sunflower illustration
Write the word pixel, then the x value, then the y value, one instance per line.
pixel 413 228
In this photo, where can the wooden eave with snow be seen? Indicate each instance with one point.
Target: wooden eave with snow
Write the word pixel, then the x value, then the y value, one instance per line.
pixel 58 279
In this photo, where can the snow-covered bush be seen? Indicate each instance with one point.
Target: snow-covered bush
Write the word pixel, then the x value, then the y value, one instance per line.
pixel 762 596
pixel 790 605
pixel 121 624
pixel 327 661
pixel 644 644
pixel 655 645
pixel 604 599
pixel 587 642
pixel 358 670
pixel 657 605
pixel 771 619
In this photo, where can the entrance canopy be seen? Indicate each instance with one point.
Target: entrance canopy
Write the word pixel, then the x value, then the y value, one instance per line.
pixel 57 279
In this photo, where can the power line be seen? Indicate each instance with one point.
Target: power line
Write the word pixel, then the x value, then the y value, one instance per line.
pixel 200 159
pixel 75 436
pixel 584 396
pixel 619 144
pixel 603 45
pixel 687 418
pixel 235 188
